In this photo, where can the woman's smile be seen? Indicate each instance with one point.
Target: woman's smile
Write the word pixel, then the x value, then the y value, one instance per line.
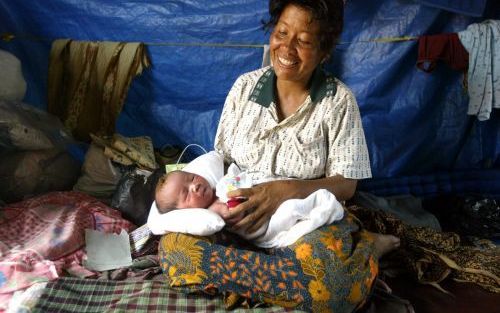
pixel 284 62
pixel 294 45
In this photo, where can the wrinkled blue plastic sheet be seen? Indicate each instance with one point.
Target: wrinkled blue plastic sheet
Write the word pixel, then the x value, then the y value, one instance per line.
pixel 478 182
pixel 465 7
pixel 415 122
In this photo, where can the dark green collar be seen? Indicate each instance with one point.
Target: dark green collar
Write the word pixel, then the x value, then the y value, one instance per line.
pixel 322 84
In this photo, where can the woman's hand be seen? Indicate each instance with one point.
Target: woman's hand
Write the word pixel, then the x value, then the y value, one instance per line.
pixel 262 201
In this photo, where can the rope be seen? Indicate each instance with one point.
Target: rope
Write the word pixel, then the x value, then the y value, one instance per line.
pixel 8 37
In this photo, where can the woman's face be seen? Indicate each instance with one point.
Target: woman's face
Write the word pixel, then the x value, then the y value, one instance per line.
pixel 294 45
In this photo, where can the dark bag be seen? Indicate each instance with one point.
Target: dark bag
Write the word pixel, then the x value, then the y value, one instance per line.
pixel 135 194
pixel 468 215
pixel 478 217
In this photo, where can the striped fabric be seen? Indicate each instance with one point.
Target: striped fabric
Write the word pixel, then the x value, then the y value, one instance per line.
pixel 143 241
pixel 87 295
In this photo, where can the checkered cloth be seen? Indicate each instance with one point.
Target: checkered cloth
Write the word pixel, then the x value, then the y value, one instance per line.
pixel 68 294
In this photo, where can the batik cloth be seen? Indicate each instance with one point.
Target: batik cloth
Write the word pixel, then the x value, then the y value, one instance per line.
pixel 329 270
pixel 431 256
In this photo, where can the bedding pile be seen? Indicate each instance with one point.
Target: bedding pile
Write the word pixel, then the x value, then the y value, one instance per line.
pixel 43 238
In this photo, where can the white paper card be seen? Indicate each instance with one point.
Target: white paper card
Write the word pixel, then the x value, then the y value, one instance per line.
pixel 107 251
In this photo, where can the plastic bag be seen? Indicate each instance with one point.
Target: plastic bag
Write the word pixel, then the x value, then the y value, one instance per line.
pixel 479 217
pixel 468 215
pixel 135 194
pixel 24 127
pixel 99 176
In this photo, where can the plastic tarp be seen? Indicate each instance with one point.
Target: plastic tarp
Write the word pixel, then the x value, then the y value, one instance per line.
pixel 465 7
pixel 415 123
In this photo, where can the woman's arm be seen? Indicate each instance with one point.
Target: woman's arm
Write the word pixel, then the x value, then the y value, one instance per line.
pixel 264 199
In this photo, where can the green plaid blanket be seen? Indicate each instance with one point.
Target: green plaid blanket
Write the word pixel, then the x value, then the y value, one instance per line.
pixel 71 295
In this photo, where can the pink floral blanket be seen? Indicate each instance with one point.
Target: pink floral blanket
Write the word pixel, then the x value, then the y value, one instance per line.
pixel 44 238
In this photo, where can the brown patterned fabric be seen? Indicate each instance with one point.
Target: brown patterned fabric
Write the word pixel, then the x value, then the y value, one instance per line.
pixel 431 256
pixel 137 151
pixel 88 83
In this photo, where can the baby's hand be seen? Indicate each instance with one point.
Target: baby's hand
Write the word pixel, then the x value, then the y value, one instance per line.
pixel 219 207
pixel 231 203
pixel 224 209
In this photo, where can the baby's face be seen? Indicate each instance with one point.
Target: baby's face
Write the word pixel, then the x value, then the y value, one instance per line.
pixel 190 190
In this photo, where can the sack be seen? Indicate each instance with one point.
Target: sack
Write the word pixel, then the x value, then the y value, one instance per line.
pixel 24 127
pixel 135 194
pixel 99 177
pixel 28 173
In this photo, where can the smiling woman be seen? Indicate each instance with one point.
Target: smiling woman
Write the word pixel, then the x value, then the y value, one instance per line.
pixel 290 120
pixel 294 46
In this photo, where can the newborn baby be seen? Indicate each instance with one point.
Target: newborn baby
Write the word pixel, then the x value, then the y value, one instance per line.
pixel 201 185
pixel 185 190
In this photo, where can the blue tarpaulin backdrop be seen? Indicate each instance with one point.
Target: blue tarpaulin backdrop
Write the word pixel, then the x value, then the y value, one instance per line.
pixel 416 123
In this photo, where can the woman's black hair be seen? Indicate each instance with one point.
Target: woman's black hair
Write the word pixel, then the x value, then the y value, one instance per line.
pixel 329 14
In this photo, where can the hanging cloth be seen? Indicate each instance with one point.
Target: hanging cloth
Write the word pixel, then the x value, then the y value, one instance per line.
pixel 443 47
pixel 482 41
pixel 88 83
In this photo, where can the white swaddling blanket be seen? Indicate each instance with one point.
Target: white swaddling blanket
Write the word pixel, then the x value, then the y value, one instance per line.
pixel 293 219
